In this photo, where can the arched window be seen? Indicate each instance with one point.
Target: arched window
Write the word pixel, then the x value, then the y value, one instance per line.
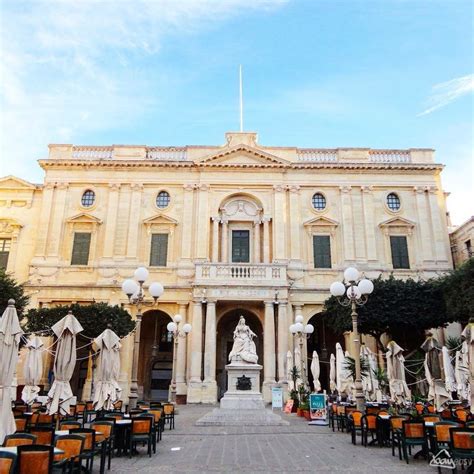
pixel 319 202
pixel 163 199
pixel 88 198
pixel 393 202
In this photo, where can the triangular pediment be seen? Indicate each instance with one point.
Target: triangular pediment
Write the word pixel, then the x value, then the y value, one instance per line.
pixel 242 156
pixel 321 221
pixel 12 182
pixel 397 222
pixel 160 219
pixel 84 218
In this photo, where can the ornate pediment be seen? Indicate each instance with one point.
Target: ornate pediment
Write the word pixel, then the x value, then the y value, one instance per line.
pixel 160 222
pixel 10 227
pixel 321 222
pixel 12 182
pixel 397 222
pixel 243 156
pixel 84 218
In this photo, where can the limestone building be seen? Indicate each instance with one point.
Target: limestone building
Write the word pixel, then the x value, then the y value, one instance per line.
pixel 235 229
pixel 462 241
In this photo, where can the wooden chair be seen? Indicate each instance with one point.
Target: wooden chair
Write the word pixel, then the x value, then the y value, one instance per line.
pixel 19 439
pixel 432 417
pixel 89 412
pixel 90 448
pixel 462 443
pixel 44 419
pixel 158 424
pixel 446 414
pixel 72 445
pixel 372 410
pixel 369 425
pixel 441 436
pixel 420 408
pixel 7 462
pixel 168 411
pixel 461 415
pixel 141 431
pixel 37 459
pixel 396 426
pixel 70 425
pixel 21 424
pixel 105 439
pixel 44 434
pixel 79 411
pixel 413 434
pixel 355 425
pixel 431 409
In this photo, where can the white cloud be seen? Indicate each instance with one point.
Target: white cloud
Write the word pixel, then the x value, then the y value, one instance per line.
pixel 68 68
pixel 446 92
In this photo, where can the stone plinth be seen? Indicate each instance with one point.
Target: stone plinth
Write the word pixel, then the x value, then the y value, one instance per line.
pixel 242 404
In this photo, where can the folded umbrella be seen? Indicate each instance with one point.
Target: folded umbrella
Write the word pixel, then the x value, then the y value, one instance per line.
pixel 32 370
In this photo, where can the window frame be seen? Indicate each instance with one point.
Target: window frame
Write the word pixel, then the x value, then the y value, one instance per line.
pixel 387 207
pixel 3 240
pixel 401 266
pixel 325 202
pixel 72 262
pixel 167 249
pixel 249 241
pixel 157 197
pixel 94 201
pixel 328 239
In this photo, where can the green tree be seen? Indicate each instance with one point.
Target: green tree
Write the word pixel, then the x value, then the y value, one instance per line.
pixel 94 318
pixel 9 288
pixel 402 308
pixel 458 292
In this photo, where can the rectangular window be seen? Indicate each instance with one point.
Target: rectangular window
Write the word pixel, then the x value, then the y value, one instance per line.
pixel 468 248
pixel 159 250
pixel 80 248
pixel 399 247
pixel 5 245
pixel 240 246
pixel 322 251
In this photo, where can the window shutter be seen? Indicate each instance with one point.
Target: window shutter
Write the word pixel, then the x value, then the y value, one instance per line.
pixel 4 259
pixel 399 248
pixel 159 250
pixel 322 251
pixel 80 248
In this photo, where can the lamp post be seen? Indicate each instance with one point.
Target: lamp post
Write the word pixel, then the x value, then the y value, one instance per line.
pixel 176 332
pixel 136 297
pixel 300 333
pixel 356 290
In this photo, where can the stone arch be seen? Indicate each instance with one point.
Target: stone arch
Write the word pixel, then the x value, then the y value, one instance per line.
pixel 155 363
pixel 225 328
pixel 241 207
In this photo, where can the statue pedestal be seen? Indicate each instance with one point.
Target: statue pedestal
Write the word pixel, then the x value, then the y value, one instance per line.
pixel 242 404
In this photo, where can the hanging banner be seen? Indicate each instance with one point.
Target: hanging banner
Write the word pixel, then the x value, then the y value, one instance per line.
pixel 318 409
pixel 277 397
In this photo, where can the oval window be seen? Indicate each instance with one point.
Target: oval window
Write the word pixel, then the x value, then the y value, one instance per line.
pixel 163 199
pixel 319 202
pixel 88 198
pixel 393 202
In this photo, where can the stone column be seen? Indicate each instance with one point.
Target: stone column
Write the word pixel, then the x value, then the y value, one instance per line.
pixel 202 248
pixel 215 239
pixel 268 351
pixel 181 387
pixel 133 223
pixel 347 226
pixel 283 333
pixel 256 241
pixel 187 229
pixel 225 241
pixel 44 220
pixel 195 382
pixel 57 220
pixel 295 224
pixel 368 203
pixel 111 220
pixel 209 390
pixel 266 240
pixel 441 239
pixel 423 224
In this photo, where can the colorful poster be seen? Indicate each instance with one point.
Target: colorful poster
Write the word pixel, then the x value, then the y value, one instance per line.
pixel 277 397
pixel 289 405
pixel 318 408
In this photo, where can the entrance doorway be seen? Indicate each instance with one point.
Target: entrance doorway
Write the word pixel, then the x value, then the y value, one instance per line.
pixel 155 362
pixel 225 341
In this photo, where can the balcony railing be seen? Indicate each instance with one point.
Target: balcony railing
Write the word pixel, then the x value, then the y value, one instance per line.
pixel 93 152
pixel 241 273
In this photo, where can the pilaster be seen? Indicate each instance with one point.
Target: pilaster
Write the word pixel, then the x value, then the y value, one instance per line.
pixel 279 227
pixel 135 211
pixel 209 388
pixel 195 382
pixel 268 351
pixel 347 223
pixel 111 220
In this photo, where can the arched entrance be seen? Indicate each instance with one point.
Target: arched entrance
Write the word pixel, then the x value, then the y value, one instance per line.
pixel 155 363
pixel 225 340
pixel 323 341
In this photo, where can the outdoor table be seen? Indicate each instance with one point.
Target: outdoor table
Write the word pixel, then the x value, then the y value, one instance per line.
pixel 14 450
pixel 122 427
pixel 383 429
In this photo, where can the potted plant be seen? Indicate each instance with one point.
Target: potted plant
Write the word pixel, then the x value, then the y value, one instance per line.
pixel 303 399
pixel 305 410
pixel 294 397
pixel 295 375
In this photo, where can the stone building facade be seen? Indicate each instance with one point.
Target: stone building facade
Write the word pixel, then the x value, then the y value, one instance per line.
pixel 462 242
pixel 235 229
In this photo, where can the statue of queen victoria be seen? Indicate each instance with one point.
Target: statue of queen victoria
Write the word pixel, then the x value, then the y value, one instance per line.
pixel 244 348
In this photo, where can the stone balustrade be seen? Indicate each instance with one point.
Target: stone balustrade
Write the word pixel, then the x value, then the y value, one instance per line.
pixel 316 155
pixel 390 156
pixel 93 152
pixel 166 153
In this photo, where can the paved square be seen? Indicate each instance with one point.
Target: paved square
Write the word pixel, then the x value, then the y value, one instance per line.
pixel 282 449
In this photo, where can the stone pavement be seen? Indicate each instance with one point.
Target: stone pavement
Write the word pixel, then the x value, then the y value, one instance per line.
pixel 274 449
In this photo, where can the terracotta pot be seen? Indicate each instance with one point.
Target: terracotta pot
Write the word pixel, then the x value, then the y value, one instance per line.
pixel 307 415
pixel 299 412
pixel 293 409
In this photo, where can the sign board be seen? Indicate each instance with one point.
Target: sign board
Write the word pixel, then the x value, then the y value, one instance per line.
pixel 277 397
pixel 318 408
pixel 289 405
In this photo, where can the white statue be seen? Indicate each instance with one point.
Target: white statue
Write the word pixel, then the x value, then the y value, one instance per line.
pixel 244 348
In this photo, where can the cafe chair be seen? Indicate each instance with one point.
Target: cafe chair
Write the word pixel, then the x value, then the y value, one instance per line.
pixel 70 425
pixel 369 425
pixel 441 435
pixel 461 415
pixel 168 411
pixel 354 421
pixel 462 444
pixel 432 417
pixel 35 459
pixel 72 445
pixel 44 434
pixel 396 425
pixel 79 411
pixel 7 462
pixel 90 448
pixel 158 425
pixel 89 412
pixel 105 439
pixel 21 423
pixel 141 431
pixel 413 434
pixel 19 439
pixel 45 420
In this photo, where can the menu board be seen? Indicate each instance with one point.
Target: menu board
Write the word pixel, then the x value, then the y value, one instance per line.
pixel 318 408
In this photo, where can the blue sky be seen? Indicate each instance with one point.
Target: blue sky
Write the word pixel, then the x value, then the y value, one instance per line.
pixel 378 73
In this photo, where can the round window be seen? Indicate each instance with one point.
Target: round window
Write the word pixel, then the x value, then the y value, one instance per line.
pixel 88 198
pixel 319 202
pixel 162 200
pixel 393 202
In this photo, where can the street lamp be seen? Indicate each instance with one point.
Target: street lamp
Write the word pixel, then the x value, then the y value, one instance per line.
pixel 356 290
pixel 300 333
pixel 136 297
pixel 176 332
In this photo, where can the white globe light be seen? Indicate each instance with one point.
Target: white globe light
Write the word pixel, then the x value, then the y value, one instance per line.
pixel 299 327
pixel 129 287
pixel 177 318
pixel 293 328
pixel 156 290
pixel 299 319
pixel 171 326
pixel 351 274
pixel 365 286
pixel 309 329
pixel 187 328
pixel 353 292
pixel 141 274
pixel 337 289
